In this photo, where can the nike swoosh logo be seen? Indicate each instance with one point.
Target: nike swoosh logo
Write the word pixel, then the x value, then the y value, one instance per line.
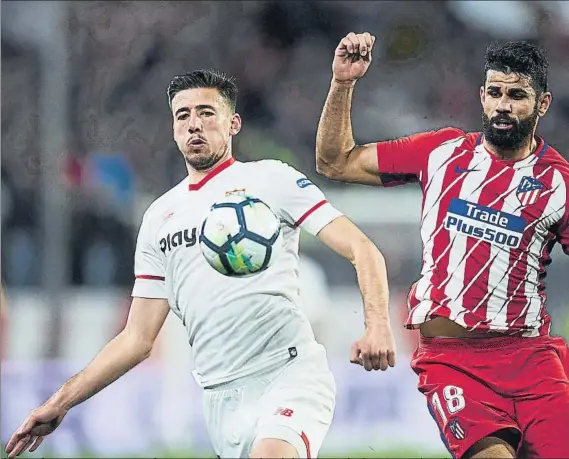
pixel 459 170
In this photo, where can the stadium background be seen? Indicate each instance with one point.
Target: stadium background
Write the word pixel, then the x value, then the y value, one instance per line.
pixel 87 145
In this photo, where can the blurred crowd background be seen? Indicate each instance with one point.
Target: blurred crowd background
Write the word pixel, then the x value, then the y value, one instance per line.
pixel 118 155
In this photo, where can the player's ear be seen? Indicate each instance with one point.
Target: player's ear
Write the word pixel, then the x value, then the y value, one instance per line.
pixel 543 103
pixel 235 124
pixel 482 95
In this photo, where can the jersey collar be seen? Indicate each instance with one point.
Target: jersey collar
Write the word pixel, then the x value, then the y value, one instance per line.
pixel 542 147
pixel 211 174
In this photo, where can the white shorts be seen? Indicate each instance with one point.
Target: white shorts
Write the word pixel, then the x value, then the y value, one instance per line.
pixel 294 402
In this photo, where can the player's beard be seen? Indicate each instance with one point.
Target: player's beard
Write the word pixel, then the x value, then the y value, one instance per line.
pixel 204 161
pixel 509 139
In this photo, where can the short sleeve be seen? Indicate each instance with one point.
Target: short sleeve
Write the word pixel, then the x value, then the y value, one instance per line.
pixel 402 160
pixel 301 203
pixel 149 268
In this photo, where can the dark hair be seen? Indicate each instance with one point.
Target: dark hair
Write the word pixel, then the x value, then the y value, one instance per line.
pixel 519 57
pixel 209 78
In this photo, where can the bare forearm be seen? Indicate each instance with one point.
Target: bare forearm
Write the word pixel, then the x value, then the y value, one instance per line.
pixel 372 280
pixel 334 138
pixel 118 357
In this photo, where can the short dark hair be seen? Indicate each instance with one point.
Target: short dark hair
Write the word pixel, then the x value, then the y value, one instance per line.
pixel 208 78
pixel 519 57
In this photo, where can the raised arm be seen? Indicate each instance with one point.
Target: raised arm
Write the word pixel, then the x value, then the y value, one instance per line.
pixel 130 347
pixel 338 157
pixel 376 349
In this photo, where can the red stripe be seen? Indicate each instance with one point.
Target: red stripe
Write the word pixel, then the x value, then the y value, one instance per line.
pixel 442 240
pixel 516 282
pixel 211 174
pixel 310 211
pixel 149 277
pixel 481 254
pixel 307 444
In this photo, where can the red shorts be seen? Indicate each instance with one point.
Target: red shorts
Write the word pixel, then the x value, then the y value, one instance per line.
pixel 476 386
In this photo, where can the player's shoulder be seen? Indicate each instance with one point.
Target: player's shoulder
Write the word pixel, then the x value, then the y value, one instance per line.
pixel 551 157
pixel 453 134
pixel 444 136
pixel 273 168
pixel 166 200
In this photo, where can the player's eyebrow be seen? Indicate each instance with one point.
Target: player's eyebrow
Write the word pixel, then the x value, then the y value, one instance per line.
pixel 518 91
pixel 510 91
pixel 198 107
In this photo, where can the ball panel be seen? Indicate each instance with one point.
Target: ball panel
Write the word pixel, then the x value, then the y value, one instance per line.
pixel 221 225
pixel 261 220
pixel 213 259
pixel 246 256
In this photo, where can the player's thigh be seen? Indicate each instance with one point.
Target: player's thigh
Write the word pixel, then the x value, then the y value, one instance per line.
pixel 544 416
pixel 298 409
pixel 465 409
pixel 230 419
pixel 498 445
pixel 269 448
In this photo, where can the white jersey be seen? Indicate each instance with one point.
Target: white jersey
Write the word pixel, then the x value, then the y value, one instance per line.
pixel 236 326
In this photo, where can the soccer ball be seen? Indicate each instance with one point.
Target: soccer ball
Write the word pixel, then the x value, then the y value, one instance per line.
pixel 240 235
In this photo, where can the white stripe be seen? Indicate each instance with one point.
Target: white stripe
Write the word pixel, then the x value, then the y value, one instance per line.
pixel 470 191
pixel 473 248
pixel 553 212
pixel 436 170
pixel 497 307
pixel 427 211
pixel 444 252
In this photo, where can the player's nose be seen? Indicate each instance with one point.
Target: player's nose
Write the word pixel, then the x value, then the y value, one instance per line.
pixel 195 125
pixel 504 105
pixel 194 122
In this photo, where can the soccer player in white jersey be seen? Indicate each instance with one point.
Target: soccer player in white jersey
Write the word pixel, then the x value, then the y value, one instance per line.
pixel 494 204
pixel 268 390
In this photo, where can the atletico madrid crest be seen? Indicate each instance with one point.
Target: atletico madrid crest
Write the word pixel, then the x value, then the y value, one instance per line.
pixel 529 190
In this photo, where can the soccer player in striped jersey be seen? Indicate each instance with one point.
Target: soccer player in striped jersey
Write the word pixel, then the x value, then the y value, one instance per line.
pixel 494 205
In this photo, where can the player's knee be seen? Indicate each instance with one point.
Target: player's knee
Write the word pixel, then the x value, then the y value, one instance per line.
pixel 273 448
pixel 501 444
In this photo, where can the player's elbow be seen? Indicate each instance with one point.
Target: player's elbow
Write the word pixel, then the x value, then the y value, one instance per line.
pixel 329 169
pixel 363 250
pixel 138 345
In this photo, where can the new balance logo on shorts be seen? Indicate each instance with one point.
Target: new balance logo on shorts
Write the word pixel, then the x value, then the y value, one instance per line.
pixel 284 412
pixel 485 223
pixel 456 429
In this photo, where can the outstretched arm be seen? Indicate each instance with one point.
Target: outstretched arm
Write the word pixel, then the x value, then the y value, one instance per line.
pixel 337 155
pixel 376 349
pixel 130 347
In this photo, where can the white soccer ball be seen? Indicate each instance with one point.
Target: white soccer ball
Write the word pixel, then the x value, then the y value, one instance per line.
pixel 240 236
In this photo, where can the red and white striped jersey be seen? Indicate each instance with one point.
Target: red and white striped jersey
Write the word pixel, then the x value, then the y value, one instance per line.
pixel 487 226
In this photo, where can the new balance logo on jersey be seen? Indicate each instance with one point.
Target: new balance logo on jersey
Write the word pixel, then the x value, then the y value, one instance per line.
pixel 529 190
pixel 484 223
pixel 186 237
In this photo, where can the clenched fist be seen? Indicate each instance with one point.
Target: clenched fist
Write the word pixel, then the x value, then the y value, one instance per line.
pixel 376 349
pixel 352 57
